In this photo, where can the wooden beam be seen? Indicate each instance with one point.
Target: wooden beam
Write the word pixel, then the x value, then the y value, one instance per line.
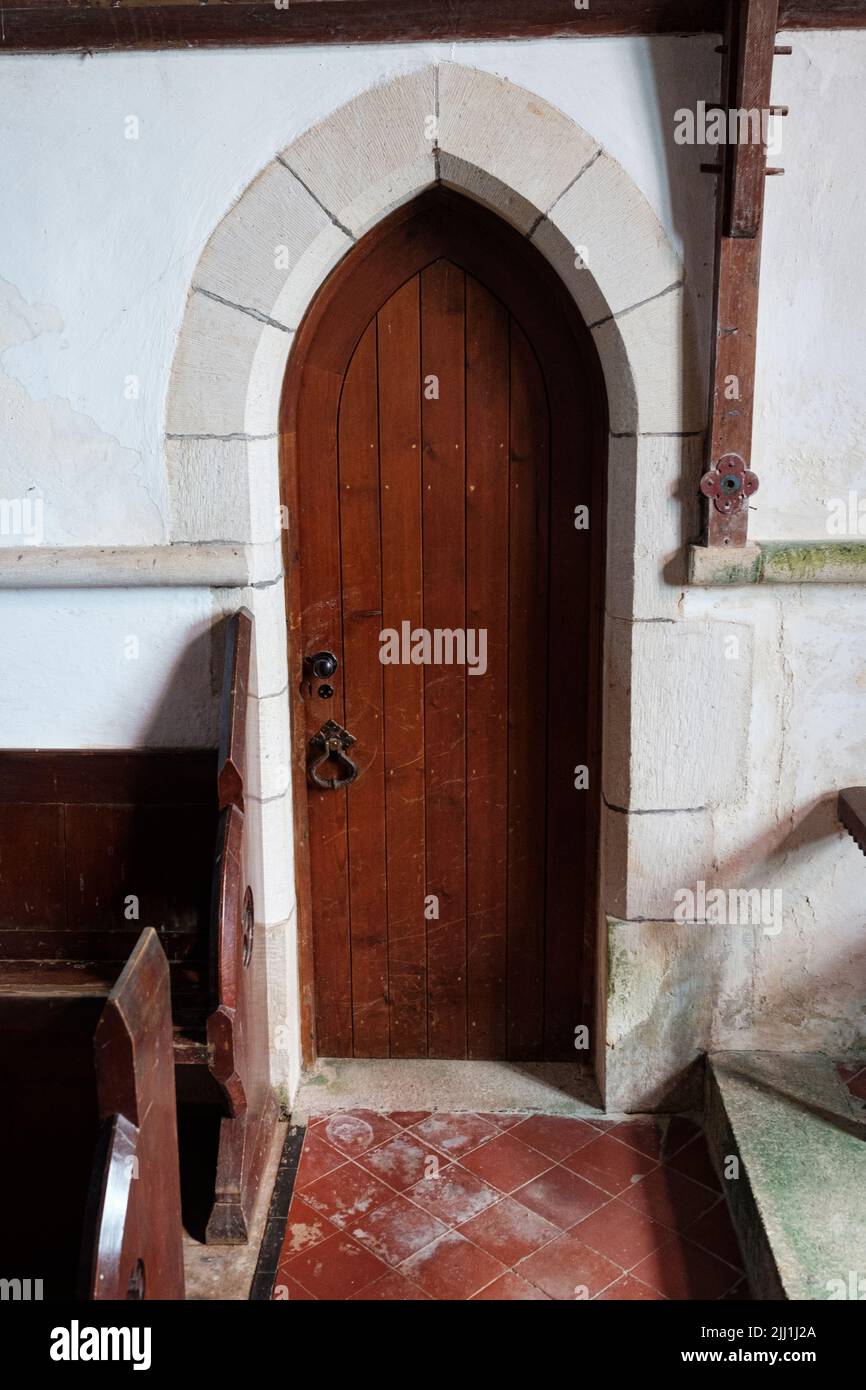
pixel 49 26
pixel 750 33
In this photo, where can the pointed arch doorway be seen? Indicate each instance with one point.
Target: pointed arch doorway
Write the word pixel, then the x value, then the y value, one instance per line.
pixel 443 426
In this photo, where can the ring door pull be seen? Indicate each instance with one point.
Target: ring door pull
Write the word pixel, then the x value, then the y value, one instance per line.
pixel 331 741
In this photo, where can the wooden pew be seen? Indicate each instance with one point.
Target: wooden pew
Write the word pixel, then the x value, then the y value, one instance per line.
pixel 94 845
pixel 89 1162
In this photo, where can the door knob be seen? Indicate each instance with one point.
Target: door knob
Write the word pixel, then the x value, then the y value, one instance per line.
pixel 322 665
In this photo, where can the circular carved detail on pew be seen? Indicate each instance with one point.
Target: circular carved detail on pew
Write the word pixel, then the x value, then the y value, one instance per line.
pixel 248 927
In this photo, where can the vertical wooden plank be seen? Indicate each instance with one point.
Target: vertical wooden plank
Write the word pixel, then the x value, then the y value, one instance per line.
pixel 443 434
pixel 572 609
pixel 527 698
pixel 487 394
pixel 319 544
pixel 358 448
pixel 399 348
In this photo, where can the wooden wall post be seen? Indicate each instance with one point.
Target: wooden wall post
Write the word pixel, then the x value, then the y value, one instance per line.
pixel 746 76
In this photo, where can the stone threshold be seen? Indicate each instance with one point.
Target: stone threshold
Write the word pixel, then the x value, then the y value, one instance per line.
pixel 778 562
pixel 552 1088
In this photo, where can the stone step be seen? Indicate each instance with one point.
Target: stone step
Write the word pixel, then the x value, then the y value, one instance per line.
pixel 799 1198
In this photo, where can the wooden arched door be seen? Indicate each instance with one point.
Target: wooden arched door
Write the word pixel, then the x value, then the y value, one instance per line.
pixel 443 423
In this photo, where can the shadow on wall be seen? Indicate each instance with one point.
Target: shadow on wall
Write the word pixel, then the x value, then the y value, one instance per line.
pixel 679 990
pixel 184 716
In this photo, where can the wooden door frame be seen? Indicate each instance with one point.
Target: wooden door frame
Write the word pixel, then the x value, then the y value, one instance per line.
pixel 517 273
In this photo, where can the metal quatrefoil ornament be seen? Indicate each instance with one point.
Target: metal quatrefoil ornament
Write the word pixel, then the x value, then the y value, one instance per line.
pixel 729 484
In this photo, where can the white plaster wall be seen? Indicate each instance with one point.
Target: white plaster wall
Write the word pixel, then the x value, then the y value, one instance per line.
pixel 100 240
pixel 810 421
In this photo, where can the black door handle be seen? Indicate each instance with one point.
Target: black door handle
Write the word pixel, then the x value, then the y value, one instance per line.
pixel 331 741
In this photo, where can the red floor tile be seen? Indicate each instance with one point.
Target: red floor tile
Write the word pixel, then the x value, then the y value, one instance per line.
pixel 455 1196
pixel 621 1233
pixel 670 1198
pixel 304 1227
pixel 610 1165
pixel 407 1118
pixel 715 1232
pixel 509 1231
pixel 560 1197
pixel 857 1085
pixel 452 1268
pixel 506 1163
pixel 694 1160
pixel 681 1270
pixel 392 1289
pixel 645 1135
pixel 335 1269
pixel 353 1132
pixel 568 1269
pixel 317 1159
pixel 679 1131
pixel 290 1291
pixel 555 1135
pixel 502 1121
pixel 510 1288
pixel 403 1161
pixel 397 1230
pixel 629 1288
pixel 347 1195
pixel 455 1135
pixel 513 1208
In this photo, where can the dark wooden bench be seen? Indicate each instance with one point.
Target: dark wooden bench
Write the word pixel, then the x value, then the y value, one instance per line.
pixel 96 844
pixel 89 1161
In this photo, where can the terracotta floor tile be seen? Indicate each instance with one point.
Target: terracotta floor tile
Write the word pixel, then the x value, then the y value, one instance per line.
pixel 740 1293
pixel 555 1135
pixel 848 1070
pixel 455 1135
pixel 568 1270
pixel 288 1290
pixel 502 1121
pixel 506 1163
pixel 629 1288
pixel 679 1132
pixel 610 1165
pixel 670 1198
pixel 455 1196
pixel 317 1159
pixel 560 1197
pixel 347 1195
pixel 621 1233
pixel 353 1132
pixel 304 1227
pixel 402 1161
pixel 396 1230
pixel 509 1231
pixel 392 1289
pixel 452 1268
pixel 335 1269
pixel 857 1085
pixel 715 1232
pixel 694 1160
pixel 510 1288
pixel 406 1118
pixel 681 1270
pixel 645 1135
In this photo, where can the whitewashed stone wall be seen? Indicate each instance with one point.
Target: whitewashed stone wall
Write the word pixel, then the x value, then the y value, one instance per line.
pixel 143 414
